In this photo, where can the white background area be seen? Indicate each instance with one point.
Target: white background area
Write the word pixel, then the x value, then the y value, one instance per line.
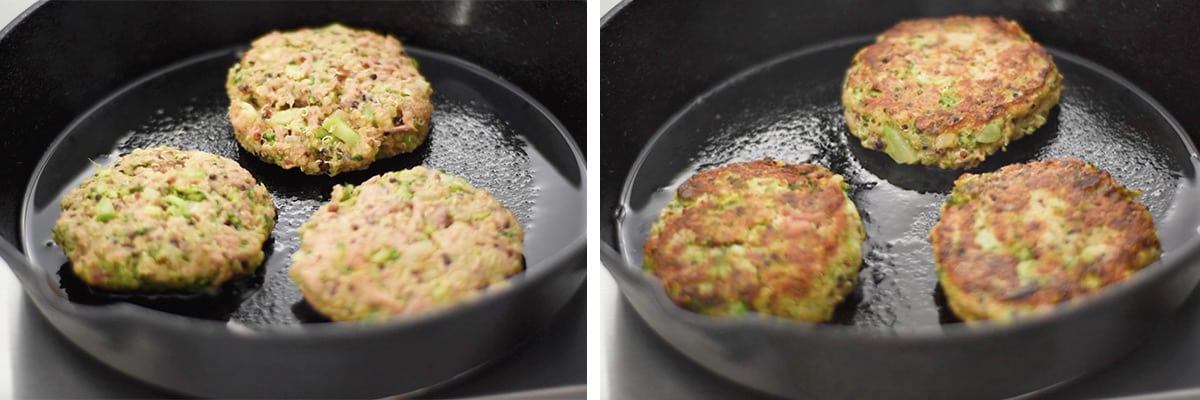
pixel 602 292
pixel 10 290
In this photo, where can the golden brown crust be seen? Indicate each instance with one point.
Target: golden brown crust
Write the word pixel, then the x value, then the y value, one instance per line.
pixel 767 236
pixel 1033 235
pixel 952 76
pixel 1020 66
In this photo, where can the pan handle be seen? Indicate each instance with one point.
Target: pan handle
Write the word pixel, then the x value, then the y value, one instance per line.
pixel 615 263
pixel 629 279
pixel 17 262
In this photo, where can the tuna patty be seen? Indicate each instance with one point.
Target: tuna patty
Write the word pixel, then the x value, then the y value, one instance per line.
pixel 1029 236
pixel 949 92
pixel 762 236
pixel 328 100
pixel 164 218
pixel 405 242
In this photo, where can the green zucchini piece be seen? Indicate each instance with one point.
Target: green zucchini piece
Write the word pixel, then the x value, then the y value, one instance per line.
pixel 897 147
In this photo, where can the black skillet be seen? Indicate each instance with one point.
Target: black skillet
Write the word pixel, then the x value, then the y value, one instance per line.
pixel 753 79
pixel 88 81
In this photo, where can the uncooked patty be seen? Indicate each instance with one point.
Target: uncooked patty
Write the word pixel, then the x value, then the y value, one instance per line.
pixel 949 92
pixel 405 242
pixel 328 100
pixel 1029 236
pixel 164 218
pixel 762 236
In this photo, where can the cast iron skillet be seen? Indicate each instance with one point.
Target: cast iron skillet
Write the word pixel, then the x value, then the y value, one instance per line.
pixel 86 84
pixel 771 87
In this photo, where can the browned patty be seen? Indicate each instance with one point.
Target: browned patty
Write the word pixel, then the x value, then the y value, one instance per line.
pixel 1029 236
pixel 763 236
pixel 949 91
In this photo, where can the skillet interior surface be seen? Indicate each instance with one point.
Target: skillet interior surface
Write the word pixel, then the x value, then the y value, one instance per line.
pixel 483 129
pixel 789 108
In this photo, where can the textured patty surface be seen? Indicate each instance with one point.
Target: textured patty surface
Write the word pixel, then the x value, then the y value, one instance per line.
pixel 762 236
pixel 405 242
pixel 328 100
pixel 1026 237
pixel 949 92
pixel 164 218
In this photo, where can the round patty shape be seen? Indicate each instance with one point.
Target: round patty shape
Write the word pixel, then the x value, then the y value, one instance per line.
pixel 405 242
pixel 328 100
pixel 949 92
pixel 1028 236
pixel 165 219
pixel 763 236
